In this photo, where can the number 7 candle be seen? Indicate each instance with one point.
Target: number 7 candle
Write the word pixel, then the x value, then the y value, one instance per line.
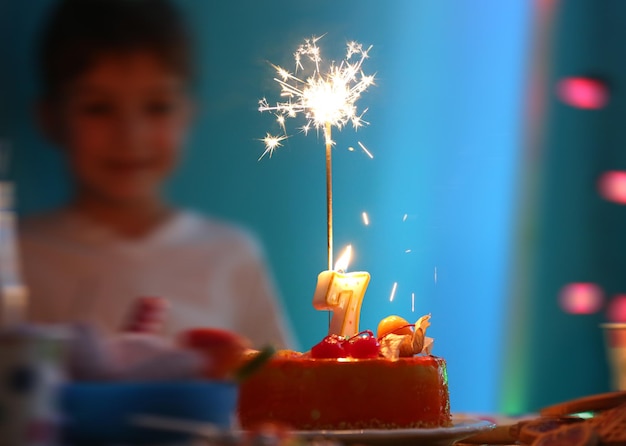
pixel 341 293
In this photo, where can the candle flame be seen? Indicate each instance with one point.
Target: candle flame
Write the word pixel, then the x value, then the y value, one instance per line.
pixel 344 259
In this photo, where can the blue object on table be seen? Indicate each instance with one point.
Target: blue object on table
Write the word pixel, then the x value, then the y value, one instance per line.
pixel 101 413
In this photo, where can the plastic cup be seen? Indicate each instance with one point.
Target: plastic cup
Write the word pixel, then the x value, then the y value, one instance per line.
pixel 615 337
pixel 31 377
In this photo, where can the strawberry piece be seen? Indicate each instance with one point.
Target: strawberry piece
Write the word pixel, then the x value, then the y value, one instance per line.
pixel 331 347
pixel 223 349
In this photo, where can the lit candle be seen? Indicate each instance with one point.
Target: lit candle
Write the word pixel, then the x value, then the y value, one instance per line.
pixel 342 293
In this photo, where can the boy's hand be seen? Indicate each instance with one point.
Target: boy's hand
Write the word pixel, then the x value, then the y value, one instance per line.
pixel 147 315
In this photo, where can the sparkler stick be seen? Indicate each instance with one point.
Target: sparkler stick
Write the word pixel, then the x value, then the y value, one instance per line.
pixel 325 99
pixel 329 196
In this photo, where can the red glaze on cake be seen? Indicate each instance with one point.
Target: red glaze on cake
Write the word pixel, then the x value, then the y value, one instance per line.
pixel 315 394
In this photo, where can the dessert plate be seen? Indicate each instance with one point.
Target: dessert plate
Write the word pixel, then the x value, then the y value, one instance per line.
pixel 462 427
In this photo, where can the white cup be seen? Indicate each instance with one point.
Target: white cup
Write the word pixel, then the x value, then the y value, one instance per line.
pixel 615 338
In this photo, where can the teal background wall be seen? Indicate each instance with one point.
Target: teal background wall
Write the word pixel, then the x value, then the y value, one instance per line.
pixel 569 233
pixel 447 122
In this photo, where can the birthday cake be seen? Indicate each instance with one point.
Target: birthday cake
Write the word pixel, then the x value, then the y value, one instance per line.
pixel 364 382
pixel 350 380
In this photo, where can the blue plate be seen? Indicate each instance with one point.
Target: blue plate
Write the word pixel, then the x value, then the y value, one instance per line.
pixel 102 413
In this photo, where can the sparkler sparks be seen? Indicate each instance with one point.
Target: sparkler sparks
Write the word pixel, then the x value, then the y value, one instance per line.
pixel 272 143
pixel 393 291
pixel 367 152
pixel 366 218
pixel 325 99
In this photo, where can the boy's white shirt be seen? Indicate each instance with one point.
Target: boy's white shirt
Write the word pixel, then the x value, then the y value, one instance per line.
pixel 212 273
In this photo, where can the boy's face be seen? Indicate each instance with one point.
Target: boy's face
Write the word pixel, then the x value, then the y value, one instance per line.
pixel 122 124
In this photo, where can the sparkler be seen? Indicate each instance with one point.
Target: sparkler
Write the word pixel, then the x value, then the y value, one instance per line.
pixel 326 99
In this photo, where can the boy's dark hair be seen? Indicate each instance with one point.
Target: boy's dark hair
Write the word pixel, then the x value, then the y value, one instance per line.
pixel 79 31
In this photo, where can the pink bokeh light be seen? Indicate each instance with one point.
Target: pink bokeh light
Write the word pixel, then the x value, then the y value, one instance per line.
pixel 612 186
pixel 616 311
pixel 581 298
pixel 583 92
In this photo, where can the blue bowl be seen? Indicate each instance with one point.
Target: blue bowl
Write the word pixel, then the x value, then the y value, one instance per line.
pixel 102 413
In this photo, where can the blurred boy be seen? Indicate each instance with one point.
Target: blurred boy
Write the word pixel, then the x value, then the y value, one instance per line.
pixel 115 78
